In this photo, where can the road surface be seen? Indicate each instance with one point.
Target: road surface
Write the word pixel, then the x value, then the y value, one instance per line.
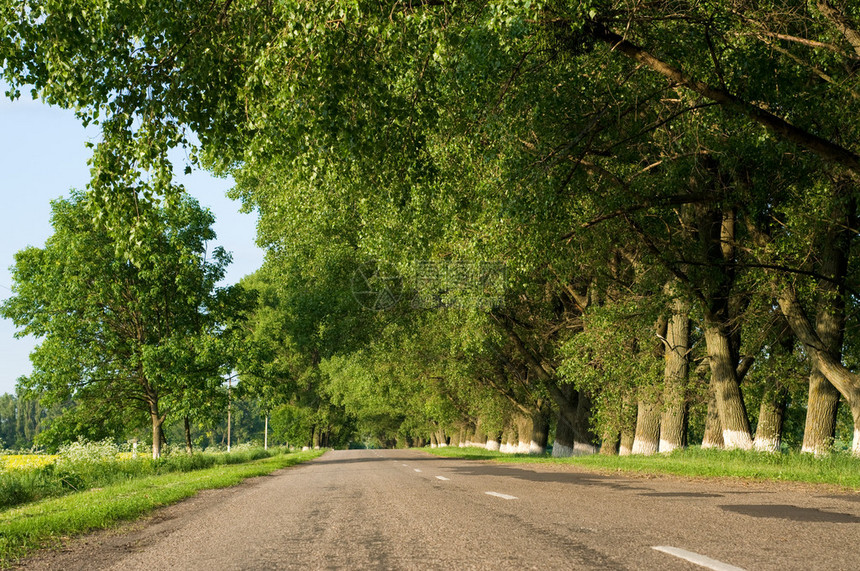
pixel 405 509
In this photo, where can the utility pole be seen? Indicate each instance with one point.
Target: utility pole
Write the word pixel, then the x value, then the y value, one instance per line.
pixel 229 410
pixel 266 434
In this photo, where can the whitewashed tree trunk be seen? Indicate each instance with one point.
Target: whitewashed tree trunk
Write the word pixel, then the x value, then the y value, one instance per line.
pixel 730 403
pixel 647 434
pixel 673 419
pixel 845 381
pixel 768 434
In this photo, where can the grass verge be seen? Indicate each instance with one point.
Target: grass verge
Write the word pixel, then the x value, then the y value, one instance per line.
pixel 47 522
pixel 839 469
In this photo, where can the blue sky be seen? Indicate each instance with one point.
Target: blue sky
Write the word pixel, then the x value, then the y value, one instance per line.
pixel 42 156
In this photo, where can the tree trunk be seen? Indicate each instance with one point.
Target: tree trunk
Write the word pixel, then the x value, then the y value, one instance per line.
pixel 524 432
pixel 480 438
pixel 721 308
pixel 628 427
pixel 189 448
pixel 768 433
pixel 493 442
pixel 821 408
pixel 845 381
pixel 585 439
pixel 468 433
pixel 157 421
pixel 823 400
pixel 509 439
pixel 562 446
pixel 626 446
pixel 713 437
pixel 455 438
pixel 730 403
pixel 317 437
pixel 647 434
pixel 673 421
pixel 539 437
pixel 573 434
pixel 609 443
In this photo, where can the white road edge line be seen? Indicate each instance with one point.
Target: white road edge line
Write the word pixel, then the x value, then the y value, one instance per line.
pixel 700 560
pixel 503 496
pixel 416 469
pixel 443 478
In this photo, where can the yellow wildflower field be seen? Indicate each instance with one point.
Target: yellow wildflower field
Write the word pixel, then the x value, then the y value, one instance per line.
pixel 10 462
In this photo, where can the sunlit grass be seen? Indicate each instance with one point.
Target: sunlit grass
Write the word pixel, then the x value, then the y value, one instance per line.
pixel 84 465
pixel 840 469
pixel 40 524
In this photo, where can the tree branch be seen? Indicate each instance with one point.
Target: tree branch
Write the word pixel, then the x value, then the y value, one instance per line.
pixel 842 23
pixel 825 149
pixel 677 200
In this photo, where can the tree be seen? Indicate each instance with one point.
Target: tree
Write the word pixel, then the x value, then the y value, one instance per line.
pixel 122 336
pixel 550 135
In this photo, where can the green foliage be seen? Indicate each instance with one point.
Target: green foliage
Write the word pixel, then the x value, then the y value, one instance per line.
pixel 520 133
pixel 613 360
pixel 120 335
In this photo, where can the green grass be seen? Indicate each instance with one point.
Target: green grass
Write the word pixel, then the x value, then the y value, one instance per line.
pixel 47 522
pixel 23 486
pixel 839 469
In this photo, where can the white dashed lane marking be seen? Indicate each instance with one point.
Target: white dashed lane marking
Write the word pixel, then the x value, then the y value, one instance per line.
pixel 443 478
pixel 700 560
pixel 416 469
pixel 503 496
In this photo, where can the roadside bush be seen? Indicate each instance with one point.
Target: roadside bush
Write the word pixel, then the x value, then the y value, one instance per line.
pixel 12 491
pixel 22 486
pixel 84 451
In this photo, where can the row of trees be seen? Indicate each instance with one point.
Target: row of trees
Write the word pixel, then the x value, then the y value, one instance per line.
pixel 20 421
pixel 141 334
pixel 671 190
pixel 26 425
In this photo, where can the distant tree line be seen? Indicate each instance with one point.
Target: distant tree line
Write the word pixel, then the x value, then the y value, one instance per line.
pixel 20 422
pixel 26 425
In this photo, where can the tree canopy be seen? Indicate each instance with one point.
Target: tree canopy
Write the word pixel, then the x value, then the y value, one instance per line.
pixel 670 188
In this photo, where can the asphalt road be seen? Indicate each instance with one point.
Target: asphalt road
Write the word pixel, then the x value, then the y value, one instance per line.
pixel 402 509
